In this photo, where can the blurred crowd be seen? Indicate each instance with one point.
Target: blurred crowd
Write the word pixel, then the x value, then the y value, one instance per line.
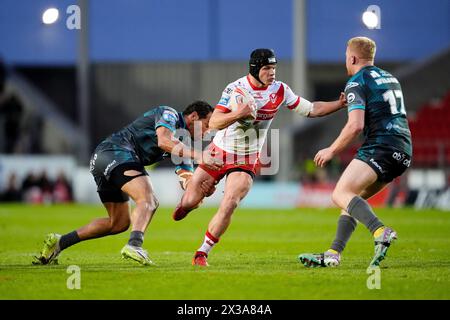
pixel 37 188
pixel 20 131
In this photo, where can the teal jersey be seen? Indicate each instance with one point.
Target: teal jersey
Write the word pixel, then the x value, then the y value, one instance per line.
pixel 379 94
pixel 140 136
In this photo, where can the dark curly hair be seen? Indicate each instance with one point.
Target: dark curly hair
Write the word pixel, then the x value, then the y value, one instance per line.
pixel 201 107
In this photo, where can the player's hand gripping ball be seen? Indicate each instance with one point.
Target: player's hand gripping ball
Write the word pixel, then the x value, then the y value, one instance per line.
pixel 241 96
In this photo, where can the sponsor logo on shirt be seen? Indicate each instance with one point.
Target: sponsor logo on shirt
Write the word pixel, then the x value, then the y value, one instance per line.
pixel 170 117
pixel 257 95
pixel 350 97
pixel 224 101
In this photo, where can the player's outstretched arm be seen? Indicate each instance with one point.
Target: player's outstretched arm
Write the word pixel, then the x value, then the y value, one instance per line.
pixel 351 130
pixel 322 108
pixel 353 127
pixel 168 143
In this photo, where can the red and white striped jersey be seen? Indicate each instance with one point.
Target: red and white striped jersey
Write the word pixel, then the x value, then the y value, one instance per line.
pixel 248 138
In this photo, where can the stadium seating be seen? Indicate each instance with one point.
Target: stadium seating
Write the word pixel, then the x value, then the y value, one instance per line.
pixel 430 129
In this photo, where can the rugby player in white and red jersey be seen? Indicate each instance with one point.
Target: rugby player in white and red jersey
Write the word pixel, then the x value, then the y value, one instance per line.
pixel 238 143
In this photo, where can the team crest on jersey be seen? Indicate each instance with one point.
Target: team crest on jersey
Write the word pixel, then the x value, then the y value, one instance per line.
pixel 273 97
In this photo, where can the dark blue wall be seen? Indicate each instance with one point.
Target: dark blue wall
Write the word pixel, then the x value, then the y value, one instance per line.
pixel 143 30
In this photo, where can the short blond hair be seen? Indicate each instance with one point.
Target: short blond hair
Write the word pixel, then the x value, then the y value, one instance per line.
pixel 364 47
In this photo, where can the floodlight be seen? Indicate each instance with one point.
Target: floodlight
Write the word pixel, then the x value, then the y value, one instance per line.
pixel 50 16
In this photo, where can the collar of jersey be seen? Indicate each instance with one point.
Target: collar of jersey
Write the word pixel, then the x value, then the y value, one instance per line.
pixel 253 87
pixel 359 72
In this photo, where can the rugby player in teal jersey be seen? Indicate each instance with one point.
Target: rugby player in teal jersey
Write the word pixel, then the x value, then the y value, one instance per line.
pixel 377 108
pixel 117 166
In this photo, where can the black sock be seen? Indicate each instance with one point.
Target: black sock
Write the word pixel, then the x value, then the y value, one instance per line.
pixel 360 210
pixel 68 240
pixel 346 226
pixel 136 238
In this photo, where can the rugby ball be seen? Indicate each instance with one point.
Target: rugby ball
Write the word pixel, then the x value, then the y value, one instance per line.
pixel 241 95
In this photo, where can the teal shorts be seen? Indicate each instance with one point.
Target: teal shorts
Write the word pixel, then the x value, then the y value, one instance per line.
pixel 108 164
pixel 388 163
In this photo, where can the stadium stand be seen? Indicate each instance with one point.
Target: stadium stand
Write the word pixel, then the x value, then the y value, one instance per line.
pixel 430 130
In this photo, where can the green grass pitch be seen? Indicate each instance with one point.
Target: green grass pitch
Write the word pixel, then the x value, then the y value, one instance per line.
pixel 255 259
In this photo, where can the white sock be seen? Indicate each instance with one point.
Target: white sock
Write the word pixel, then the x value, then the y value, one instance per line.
pixel 208 243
